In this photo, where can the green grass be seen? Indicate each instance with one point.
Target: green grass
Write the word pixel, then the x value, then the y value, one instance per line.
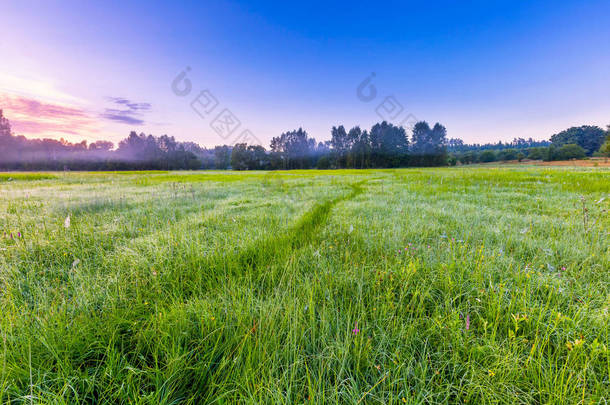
pixel 224 287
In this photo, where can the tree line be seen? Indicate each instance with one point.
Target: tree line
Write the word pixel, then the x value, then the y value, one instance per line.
pixel 384 145
pixel 573 143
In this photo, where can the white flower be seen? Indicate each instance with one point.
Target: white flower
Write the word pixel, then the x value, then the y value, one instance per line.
pixel 67 222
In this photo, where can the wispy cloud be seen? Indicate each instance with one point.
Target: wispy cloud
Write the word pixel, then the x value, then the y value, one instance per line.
pixel 32 117
pixel 39 88
pixel 128 112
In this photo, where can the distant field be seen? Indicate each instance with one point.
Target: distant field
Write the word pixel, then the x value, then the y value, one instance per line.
pixel 470 285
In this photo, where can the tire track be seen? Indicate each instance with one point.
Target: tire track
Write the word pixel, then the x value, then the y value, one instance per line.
pixel 266 250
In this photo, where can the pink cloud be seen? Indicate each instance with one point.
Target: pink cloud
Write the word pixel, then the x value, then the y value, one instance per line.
pixel 31 117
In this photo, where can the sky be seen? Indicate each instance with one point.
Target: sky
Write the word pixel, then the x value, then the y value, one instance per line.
pixel 488 71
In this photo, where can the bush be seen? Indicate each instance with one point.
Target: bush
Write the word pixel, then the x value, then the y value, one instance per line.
pixel 538 153
pixel 487 156
pixel 571 151
pixel 324 162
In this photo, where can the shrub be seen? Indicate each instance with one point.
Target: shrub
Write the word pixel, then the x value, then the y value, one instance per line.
pixel 487 156
pixel 571 151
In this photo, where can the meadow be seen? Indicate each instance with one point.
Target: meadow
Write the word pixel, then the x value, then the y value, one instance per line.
pixel 443 285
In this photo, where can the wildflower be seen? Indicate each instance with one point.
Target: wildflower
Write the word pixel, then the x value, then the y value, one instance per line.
pixel 19 234
pixel 467 321
pixel 355 330
pixel 67 222
pixel 491 373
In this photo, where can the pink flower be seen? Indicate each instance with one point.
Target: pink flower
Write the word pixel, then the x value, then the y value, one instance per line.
pixel 355 330
pixel 467 321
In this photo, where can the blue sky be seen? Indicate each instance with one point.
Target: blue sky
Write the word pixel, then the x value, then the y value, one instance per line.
pixel 486 70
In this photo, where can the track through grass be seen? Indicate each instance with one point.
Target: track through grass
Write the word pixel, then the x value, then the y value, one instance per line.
pixel 469 285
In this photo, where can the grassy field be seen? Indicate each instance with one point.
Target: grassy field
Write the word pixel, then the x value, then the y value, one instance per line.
pixel 469 285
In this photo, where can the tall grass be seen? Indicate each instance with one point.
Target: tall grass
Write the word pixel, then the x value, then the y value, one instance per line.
pixel 382 286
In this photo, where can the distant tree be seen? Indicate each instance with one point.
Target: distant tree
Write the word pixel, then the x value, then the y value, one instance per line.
pixel 551 153
pixel 590 138
pixel 361 149
pixel 324 162
pixel 341 144
pixel 487 156
pixel 457 145
pixel 295 149
pixel 167 144
pixel 571 151
pixel 102 146
pixel 5 126
pixel 258 158
pixel 222 157
pixel 604 150
pixel 388 144
pixel 507 154
pixel 467 157
pixel 429 144
pixel 239 157
pixel 537 153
